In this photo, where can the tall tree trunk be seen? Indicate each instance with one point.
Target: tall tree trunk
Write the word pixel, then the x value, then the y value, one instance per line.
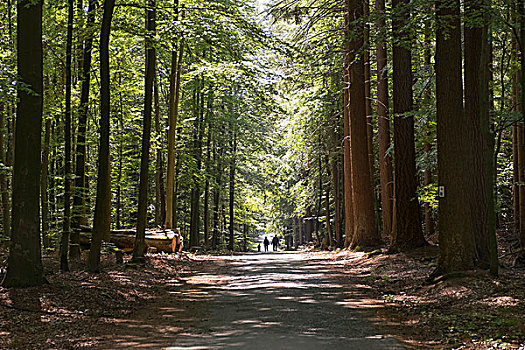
pixel 427 173
pixel 102 221
pixel 383 126
pixel 232 190
pixel 327 205
pixel 79 196
pixel 521 131
pixel 480 153
pixel 64 244
pixel 197 152
pixel 25 261
pixel 176 67
pixel 160 193
pixel 365 231
pixel 368 94
pixel 456 241
pixel 406 233
pixel 207 194
pixel 149 76
pixel 43 185
pixel 217 160
pixel 347 175
pixel 4 184
pixel 515 141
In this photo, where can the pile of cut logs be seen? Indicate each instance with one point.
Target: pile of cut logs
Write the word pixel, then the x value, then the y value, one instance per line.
pixel 167 241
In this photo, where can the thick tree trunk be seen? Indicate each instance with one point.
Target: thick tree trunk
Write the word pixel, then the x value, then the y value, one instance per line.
pixel 102 221
pixel 149 75
pixel 25 261
pixel 365 231
pixel 481 150
pixel 64 244
pixel 383 127
pixel 456 241
pixel 80 192
pixel 406 232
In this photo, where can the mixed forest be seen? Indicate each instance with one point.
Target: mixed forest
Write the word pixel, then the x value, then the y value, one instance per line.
pixel 340 124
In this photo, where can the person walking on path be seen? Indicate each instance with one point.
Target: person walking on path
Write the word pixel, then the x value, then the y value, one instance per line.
pixel 275 243
pixel 266 244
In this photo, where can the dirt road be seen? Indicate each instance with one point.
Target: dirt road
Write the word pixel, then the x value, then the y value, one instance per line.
pixel 256 301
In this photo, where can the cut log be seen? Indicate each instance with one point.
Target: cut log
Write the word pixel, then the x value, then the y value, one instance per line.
pixel 164 243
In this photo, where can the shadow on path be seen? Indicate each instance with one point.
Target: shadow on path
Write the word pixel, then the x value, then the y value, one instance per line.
pixel 257 301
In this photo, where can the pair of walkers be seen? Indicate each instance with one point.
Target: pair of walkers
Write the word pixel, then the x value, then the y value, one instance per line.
pixel 275 243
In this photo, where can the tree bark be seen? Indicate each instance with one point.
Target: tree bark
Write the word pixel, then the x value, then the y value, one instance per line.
pixel 25 262
pixel 480 153
pixel 406 232
pixel 337 202
pixel 456 241
pixel 64 244
pixel 160 192
pixel 521 137
pixel 176 67
pixel 149 75
pixel 232 190
pixel 102 221
pixel 4 183
pixel 383 126
pixel 365 231
pixel 79 196
pixel 347 175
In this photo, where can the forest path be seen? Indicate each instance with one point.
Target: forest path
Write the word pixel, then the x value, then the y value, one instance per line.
pixel 257 301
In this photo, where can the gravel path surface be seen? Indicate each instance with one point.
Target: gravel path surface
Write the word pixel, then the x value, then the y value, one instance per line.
pixel 258 301
pixel 282 301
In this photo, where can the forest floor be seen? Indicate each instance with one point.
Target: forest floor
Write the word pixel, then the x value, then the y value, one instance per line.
pixel 174 300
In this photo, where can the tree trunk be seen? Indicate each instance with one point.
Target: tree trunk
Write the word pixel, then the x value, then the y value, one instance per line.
pixel 383 126
pixel 480 153
pixel 347 175
pixel 197 153
pixel 176 67
pixel 337 202
pixel 64 244
pixel 406 232
pixel 368 95
pixel 102 221
pixel 327 206
pixel 4 175
pixel 149 76
pixel 160 192
pixel 207 193
pixel 25 261
pixel 365 231
pixel 427 173
pixel 521 131
pixel 516 142
pixel 79 196
pixel 232 190
pixel 456 241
